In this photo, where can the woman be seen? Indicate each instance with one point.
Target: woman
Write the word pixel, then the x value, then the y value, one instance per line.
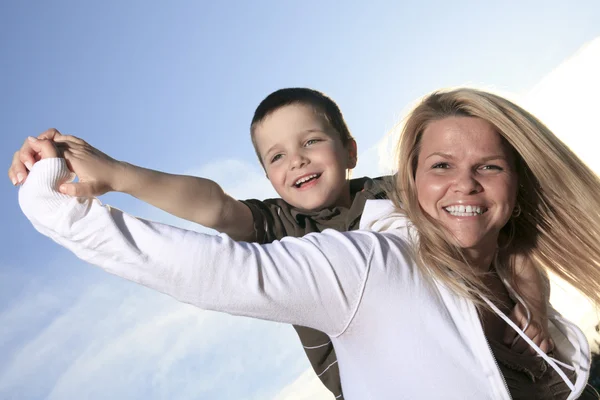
pixel 481 189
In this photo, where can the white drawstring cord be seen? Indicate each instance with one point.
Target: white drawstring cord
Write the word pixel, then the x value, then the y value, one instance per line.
pixel 549 360
pixel 520 300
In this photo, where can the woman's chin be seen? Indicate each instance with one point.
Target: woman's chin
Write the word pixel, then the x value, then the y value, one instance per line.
pixel 477 246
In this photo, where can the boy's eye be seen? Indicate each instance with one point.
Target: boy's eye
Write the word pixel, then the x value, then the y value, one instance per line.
pixel 276 157
pixel 311 141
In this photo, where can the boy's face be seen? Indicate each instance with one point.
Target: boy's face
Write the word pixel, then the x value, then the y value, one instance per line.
pixel 304 158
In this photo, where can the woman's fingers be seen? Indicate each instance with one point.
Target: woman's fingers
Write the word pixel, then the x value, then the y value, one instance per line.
pixel 44 148
pixel 79 189
pixel 17 171
pixel 22 162
pixel 27 155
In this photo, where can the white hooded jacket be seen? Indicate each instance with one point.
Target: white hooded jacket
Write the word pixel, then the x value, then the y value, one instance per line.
pixel 571 344
pixel 397 333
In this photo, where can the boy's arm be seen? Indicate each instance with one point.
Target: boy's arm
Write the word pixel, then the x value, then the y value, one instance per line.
pixel 534 287
pixel 192 198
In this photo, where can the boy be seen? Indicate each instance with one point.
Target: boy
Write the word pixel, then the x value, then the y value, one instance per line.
pixel 306 150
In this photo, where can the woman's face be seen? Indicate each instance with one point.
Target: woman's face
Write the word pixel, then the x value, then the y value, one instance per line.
pixel 466 180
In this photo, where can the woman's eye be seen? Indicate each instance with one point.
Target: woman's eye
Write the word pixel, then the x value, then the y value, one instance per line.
pixel 492 167
pixel 440 165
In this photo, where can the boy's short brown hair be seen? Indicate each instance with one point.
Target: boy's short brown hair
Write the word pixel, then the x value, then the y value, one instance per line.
pixel 323 106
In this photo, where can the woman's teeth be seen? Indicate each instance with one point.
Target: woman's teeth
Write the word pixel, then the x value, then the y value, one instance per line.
pixel 465 211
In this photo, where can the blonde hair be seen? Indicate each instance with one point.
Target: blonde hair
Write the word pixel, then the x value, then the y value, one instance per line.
pixel 558 229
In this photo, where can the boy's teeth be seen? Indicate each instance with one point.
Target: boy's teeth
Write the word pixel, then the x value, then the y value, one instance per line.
pixel 465 211
pixel 306 178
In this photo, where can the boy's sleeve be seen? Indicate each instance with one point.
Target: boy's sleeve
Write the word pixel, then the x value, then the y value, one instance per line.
pixel 382 186
pixel 314 281
pixel 272 219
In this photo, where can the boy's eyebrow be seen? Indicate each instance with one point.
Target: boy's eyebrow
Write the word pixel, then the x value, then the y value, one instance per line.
pixel 311 130
pixel 314 130
pixel 270 149
pixel 325 131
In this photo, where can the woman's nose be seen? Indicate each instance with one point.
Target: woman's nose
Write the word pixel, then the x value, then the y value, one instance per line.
pixel 467 183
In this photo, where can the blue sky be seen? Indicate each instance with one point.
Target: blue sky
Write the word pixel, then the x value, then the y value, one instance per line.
pixel 173 87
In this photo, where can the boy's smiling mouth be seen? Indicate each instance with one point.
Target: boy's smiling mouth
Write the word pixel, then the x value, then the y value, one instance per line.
pixel 300 182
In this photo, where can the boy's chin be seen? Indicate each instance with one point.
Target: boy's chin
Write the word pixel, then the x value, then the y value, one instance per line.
pixel 309 205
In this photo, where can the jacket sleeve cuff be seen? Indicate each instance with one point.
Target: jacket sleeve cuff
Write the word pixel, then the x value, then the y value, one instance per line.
pixel 39 197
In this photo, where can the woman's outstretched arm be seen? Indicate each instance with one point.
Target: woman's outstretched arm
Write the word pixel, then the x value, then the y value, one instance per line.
pixel 314 281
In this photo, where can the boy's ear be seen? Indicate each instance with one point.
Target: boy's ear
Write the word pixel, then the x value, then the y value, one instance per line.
pixel 352 154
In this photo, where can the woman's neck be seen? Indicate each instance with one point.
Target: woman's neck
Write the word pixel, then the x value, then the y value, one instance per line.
pixel 481 257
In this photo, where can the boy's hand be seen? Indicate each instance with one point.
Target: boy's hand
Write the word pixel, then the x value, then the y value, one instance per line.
pixel 537 331
pixel 97 172
pixel 26 156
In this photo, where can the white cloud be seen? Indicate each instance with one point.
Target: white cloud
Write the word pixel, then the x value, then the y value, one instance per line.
pixel 567 102
pixel 117 338
pixel 372 162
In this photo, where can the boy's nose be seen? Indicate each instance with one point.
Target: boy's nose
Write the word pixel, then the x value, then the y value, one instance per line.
pixel 298 161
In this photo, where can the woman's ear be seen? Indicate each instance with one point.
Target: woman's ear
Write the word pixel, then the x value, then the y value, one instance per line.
pixel 352 154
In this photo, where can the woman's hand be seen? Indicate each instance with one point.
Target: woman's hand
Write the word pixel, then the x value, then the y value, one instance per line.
pixel 97 172
pixel 29 154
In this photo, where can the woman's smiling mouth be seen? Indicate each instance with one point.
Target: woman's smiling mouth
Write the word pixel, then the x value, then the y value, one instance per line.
pixel 465 211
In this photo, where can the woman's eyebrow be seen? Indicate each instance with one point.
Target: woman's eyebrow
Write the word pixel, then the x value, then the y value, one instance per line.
pixel 482 159
pixel 494 157
pixel 440 154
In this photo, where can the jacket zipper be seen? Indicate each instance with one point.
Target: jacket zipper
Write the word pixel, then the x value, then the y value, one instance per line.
pixel 473 311
pixel 498 366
